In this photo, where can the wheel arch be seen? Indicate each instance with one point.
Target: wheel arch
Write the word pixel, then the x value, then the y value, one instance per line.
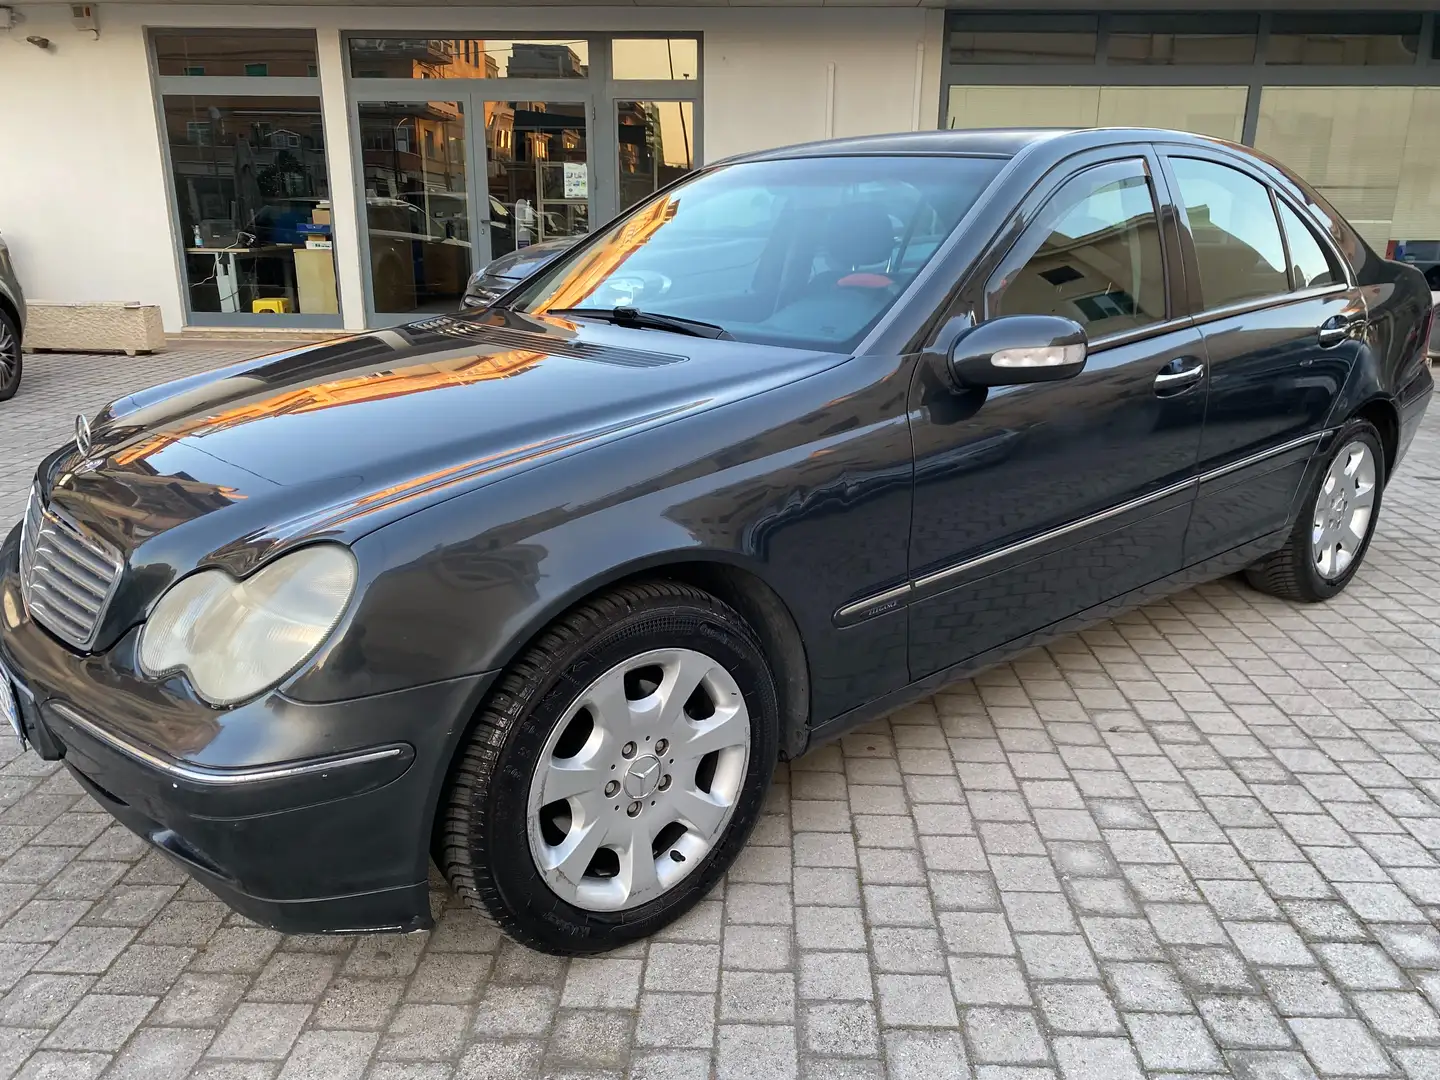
pixel 1382 412
pixel 729 581
pixel 8 307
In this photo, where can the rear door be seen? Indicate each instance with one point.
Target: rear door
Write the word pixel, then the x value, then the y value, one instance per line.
pixel 1035 502
pixel 1281 324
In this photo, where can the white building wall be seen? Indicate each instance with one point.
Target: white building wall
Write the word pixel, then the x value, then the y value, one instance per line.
pixel 83 192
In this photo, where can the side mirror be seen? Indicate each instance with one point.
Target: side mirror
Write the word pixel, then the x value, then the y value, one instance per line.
pixel 1018 349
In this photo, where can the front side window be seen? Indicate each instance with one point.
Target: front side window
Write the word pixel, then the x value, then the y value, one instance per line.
pixel 1311 266
pixel 1237 239
pixel 1093 255
pixel 805 252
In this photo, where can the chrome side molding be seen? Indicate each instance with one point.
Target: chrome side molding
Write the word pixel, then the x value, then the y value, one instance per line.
pixel 900 595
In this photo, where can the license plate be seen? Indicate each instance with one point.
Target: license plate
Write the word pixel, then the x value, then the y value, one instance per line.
pixel 9 707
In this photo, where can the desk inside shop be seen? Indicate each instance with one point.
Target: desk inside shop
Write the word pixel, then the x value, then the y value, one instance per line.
pixel 306 279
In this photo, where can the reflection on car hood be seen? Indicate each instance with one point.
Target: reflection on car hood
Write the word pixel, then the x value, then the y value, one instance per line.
pixel 337 439
pixel 523 262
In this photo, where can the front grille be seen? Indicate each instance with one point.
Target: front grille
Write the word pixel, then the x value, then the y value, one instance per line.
pixel 66 577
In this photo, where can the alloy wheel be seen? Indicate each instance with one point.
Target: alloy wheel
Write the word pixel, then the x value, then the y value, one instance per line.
pixel 638 780
pixel 9 354
pixel 1343 510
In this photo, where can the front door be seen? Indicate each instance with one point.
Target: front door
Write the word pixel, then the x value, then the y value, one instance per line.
pixel 1035 502
pixel 1281 326
pixel 537 174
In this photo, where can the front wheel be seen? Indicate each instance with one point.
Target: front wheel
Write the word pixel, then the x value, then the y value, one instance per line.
pixel 616 771
pixel 1335 524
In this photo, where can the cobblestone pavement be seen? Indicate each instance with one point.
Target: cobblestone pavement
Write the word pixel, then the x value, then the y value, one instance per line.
pixel 1199 840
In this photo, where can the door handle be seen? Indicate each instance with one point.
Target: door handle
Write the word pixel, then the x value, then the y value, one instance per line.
pixel 1336 329
pixel 1179 375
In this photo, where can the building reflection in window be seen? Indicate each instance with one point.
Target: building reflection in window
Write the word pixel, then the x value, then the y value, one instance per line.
pixel 657 146
pixel 417 205
pixel 467 58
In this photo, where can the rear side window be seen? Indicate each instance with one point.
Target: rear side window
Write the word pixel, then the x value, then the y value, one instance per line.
pixel 1093 255
pixel 1311 265
pixel 1237 239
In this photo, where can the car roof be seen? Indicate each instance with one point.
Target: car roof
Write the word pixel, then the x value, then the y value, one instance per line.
pixel 991 142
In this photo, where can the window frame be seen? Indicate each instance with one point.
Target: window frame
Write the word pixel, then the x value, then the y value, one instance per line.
pixel 598 92
pixel 1337 264
pixel 1065 172
pixel 254 88
pixel 1256 76
pixel 1188 233
pixel 1194 301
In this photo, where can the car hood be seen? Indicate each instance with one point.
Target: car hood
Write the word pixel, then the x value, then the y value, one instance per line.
pixel 340 438
pixel 522 262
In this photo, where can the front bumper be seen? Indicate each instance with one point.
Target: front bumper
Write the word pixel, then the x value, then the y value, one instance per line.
pixel 304 817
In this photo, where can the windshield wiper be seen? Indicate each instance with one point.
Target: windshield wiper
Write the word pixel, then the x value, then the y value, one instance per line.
pixel 648 320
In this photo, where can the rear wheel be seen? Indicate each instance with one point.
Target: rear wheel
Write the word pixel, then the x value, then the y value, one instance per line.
pixel 616 771
pixel 11 359
pixel 1335 524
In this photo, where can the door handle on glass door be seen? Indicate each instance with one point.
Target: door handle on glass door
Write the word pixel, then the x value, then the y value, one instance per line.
pixel 1336 329
pixel 1179 375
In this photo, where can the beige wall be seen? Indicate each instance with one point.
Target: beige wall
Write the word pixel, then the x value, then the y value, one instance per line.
pixel 83 195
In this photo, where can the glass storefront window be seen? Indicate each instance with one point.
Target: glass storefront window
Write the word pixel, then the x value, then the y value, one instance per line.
pixel 252 198
pixel 1212 38
pixel 1218 111
pixel 253 53
pixel 657 146
pixel 1342 40
pixel 1380 176
pixel 468 58
pixel 1011 39
pixel 655 58
pixel 417 203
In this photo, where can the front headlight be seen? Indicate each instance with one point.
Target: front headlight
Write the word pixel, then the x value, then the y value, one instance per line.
pixel 236 638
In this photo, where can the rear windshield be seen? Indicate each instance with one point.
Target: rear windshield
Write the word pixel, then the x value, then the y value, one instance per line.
pixel 804 252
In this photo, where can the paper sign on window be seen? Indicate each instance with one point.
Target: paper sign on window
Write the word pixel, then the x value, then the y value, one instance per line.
pixel 577 180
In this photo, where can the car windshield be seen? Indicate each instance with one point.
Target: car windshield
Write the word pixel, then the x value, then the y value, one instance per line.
pixel 802 252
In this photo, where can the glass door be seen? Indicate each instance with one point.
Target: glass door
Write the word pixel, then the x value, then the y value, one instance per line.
pixel 419 218
pixel 537 173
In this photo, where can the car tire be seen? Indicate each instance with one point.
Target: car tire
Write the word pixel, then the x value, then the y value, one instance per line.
pixel 1329 542
pixel 587 703
pixel 12 358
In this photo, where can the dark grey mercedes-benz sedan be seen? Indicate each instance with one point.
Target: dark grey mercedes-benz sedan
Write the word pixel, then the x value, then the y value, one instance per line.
pixel 545 591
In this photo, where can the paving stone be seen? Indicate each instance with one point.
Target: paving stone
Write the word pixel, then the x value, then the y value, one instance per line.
pixel 1340 1046
pixel 915 1001
pixel 925 1055
pixel 1172 1042
pixel 263 1032
pixel 100 1022
pixel 1399 1017
pixel 1147 987
pixel 844 1028
pixel 1077 1008
pixel 1096 1059
pixel 162 1054
pixel 988 980
pixel 423 1032
pixel 1004 1035
pixel 1244 1022
pixel 500 1061
pixel 754 1052
pixel 675 1020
